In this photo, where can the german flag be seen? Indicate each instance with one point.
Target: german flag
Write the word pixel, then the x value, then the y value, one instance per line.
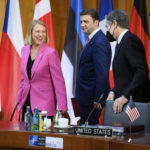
pixel 139 26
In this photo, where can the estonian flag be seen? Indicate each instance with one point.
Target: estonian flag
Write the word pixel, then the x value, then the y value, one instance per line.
pixel 139 26
pixel 74 42
pixel 10 61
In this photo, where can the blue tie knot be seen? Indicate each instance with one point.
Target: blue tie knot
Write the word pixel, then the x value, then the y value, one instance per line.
pixel 117 47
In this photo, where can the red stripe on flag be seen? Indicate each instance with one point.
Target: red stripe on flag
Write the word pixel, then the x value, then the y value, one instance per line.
pixel 111 79
pixel 133 114
pixel 101 116
pixel 136 27
pixel 47 19
pixel 10 75
pixel 37 1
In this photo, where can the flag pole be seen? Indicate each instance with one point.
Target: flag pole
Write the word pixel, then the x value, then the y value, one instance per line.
pixel 130 138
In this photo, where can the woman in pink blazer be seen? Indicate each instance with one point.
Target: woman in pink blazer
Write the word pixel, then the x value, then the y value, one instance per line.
pixel 42 84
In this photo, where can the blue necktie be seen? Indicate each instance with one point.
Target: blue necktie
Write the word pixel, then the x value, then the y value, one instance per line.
pixel 117 47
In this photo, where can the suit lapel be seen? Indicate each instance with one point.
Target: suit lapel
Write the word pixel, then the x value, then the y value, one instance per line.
pixel 87 47
pixel 118 49
pixel 84 51
pixel 116 53
pixel 37 60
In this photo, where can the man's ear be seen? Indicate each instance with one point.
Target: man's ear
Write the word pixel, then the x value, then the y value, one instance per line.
pixel 115 23
pixel 97 22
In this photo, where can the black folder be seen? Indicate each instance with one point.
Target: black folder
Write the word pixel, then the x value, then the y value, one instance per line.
pixel 125 128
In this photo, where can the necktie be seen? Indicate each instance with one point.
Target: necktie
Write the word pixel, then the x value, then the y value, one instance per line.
pixel 117 47
pixel 87 40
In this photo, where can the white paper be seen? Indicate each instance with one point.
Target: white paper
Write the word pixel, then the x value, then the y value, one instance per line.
pixel 54 142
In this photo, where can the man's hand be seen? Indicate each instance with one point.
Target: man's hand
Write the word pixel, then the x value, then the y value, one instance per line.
pixel 111 95
pixel 97 105
pixel 119 103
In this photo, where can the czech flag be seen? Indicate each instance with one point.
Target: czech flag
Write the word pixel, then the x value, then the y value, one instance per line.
pixel 10 61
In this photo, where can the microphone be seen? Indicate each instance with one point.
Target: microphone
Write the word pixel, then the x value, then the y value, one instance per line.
pixel 86 122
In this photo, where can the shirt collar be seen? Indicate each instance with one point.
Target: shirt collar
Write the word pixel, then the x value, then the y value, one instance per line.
pixel 93 33
pixel 121 36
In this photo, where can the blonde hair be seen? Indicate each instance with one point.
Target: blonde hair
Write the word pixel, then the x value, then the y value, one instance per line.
pixel 28 39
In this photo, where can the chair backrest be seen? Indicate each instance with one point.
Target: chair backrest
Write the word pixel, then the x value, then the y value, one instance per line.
pixel 110 117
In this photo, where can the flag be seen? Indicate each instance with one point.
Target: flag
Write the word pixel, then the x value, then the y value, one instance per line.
pixel 43 12
pixel 106 6
pixel 0 103
pixel 10 61
pixel 74 42
pixel 132 111
pixel 139 26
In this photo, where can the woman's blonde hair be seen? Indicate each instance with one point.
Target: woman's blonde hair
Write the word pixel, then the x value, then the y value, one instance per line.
pixel 28 39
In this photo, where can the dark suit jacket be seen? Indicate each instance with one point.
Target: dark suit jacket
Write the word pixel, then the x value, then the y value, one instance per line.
pixel 131 70
pixel 93 70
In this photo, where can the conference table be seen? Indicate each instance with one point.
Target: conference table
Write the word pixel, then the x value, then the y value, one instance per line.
pixel 139 142
pixel 13 137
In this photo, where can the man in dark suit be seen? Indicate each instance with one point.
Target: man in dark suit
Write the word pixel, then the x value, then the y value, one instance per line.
pixel 93 69
pixel 129 65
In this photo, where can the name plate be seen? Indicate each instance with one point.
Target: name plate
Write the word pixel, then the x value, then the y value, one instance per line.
pixel 93 131
pixel 45 141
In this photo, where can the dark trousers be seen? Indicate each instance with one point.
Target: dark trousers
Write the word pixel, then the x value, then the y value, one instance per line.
pixel 84 113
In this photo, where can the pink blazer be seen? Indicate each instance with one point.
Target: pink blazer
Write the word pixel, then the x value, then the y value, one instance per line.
pixel 47 86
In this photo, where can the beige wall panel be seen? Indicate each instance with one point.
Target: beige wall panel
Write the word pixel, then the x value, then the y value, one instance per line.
pixel 2 15
pixel 27 11
pixel 60 12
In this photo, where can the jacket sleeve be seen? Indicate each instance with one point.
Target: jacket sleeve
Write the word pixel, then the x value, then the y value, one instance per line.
pixel 135 55
pixel 58 80
pixel 19 94
pixel 102 59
